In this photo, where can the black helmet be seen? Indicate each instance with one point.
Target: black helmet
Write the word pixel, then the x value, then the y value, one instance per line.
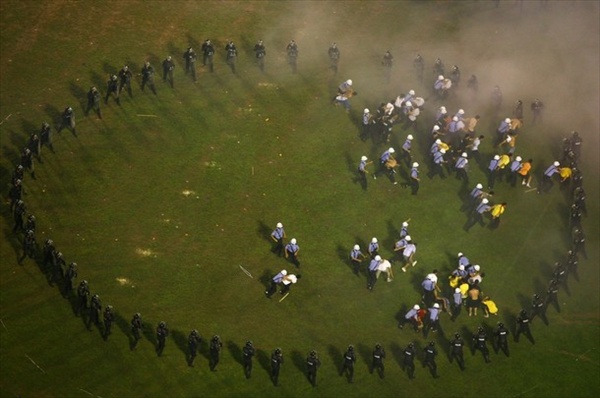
pixel 536 296
pixel 431 343
pixel 411 345
pixel 480 329
pixel 457 335
pixel 109 308
pixel 32 217
pixel 313 353
pixel 162 324
pixel 137 315
pixel 523 312
pixel 249 343
pixel 216 337
pixel 500 325
pixel 377 346
pixel 277 350
pixel 350 347
pixel 95 296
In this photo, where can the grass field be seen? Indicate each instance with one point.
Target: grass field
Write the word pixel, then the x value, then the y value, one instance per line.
pixel 160 210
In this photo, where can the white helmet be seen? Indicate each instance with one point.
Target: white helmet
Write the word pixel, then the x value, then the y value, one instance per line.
pixel 442 151
pixel 405 224
pixel 364 158
pixel 356 247
pixel 507 120
pixel 415 164
pixel 509 139
pixel 436 127
pixel 349 82
pixel 518 158
pixel 377 258
pixel 409 137
pixel 279 225
pixel 408 103
pixel 411 92
pixel 461 267
pixel 407 238
pixel 391 150
pixel 485 201
pixel 476 267
pixel 374 240
pixel 283 272
pixel 293 241
pixel 464 155
pixel 479 186
pixel 496 157
pixel 461 111
pixel 557 163
pixel 460 254
pixel 457 290
pixel 416 307
pixel 443 108
pixel 438 141
pixel 366 110
pixel 436 305
pixel 455 119
pixel 440 77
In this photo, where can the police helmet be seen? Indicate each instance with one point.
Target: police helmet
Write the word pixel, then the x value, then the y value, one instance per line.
pixel 216 337
pixel 31 217
pixel 293 241
pixel 137 315
pixel 356 247
pixel 29 232
pixel 109 308
pixel 95 296
pixel 518 158
pixel 405 224
pixel 283 272
pixel 313 353
pixel 391 150
pixel 279 225
pixel 411 92
pixel 523 312
pixel 411 345
pixel 455 67
pixel 557 163
pixel 83 282
pixel 126 67
pixel 49 242
pixel 377 346
pixel 431 343
pixel 485 201
pixel 374 240
pixel 377 258
pixel 480 329
pixel 457 335
pixel 496 157
pixel 457 290
pixel 436 305
pixel 415 164
pixel 277 350
pixel 20 167
pixel 409 137
pixel 366 110
pixel 249 343
pixel 436 127
pixel 536 296
pixel 500 325
pixel 350 347
pixel 70 109
pixel 169 58
pixel 407 238
pixel 464 155
pixel 363 158
pixel 416 307
pixel 147 63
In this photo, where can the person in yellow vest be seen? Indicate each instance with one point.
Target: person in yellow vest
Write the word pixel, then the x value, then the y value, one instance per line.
pixel 489 307
pixel 496 211
pixel 503 164
pixel 525 173
pixel 565 173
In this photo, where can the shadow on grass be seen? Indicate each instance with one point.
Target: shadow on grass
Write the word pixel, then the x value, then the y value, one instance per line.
pixel 264 360
pixel 396 352
pixel 54 114
pixel 80 94
pixel 336 357
pixel 364 354
pixel 235 351
pixel 181 342
pixel 298 361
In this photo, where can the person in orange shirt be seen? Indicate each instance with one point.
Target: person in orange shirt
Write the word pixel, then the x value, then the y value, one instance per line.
pixel 525 173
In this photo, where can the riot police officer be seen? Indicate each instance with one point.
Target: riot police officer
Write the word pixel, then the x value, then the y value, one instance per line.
pixel 312 364
pixel 276 361
pixel 95 307
pixel 125 77
pixel 231 55
pixel 194 341
pixel 208 52
pixel 162 331
pixel 94 98
pixel 247 354
pixel 292 53
pixel 408 360
pixel 83 291
pixel 148 77
pixel 260 52
pixel 430 354
pixel 112 87
pixel 523 326
pixel 378 357
pixel 348 364
pixel 480 339
pixel 215 352
pixel 168 67
pixel 502 339
pixel 136 327
pixel 456 350
pixel 108 317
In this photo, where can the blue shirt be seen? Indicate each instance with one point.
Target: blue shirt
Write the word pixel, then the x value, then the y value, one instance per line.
pixel 475 193
pixel 278 233
pixel 414 173
pixel 439 115
pixel 409 250
pixel 504 127
pixel 344 87
pixel 464 261
pixel 438 158
pixel 434 148
pixel 362 165
pixel 403 232
pixel 493 164
pixel 457 298
pixel 453 126
pixel 550 171
pixel 461 163
pixel 366 118
pixel 482 208
pixel 355 254
pixel 434 313
pixel 278 278
pixel 515 166
pixel 428 285
pixel 290 247
pixel 385 156
pixel 407 145
pixel 411 314
pixel 373 247
pixel 373 265
pixel 460 273
pixel 438 85
pixel 401 243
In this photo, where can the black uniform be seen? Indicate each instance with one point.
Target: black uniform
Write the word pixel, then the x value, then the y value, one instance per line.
pixel 194 341
pixel 388 62
pixel 247 354
pixel 125 77
pixel 136 327
pixel 95 308
pixel 29 244
pixel 502 339
pixel 112 87
pixel 276 361
pixel 480 340
pixel 456 351
pixel 70 274
pixel 348 364
pixel 94 98
pixel 292 53
pixel 261 52
pixel 148 77
pixel 312 364
pixel 419 65
pixel 579 242
pixel 334 57
pixel 455 76
pixel 231 55
pixel 108 317
pixel 518 110
pixel 430 354
pixel 408 360
pixel 537 109
pixel 68 121
pixel 215 352
pixel 15 193
pixel 18 213
pixel 552 294
pixel 83 291
pixel 35 146
pixel 473 84
pixel 572 262
pixel 49 253
pixel 46 136
pixel 30 223
pixel 438 67
pixel 208 52
pixel 378 357
pixel 523 326
pixel 190 62
pixel 168 65
pixel 538 308
pixel 162 331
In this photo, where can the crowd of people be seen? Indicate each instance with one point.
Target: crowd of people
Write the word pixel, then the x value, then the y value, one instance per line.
pixel 455 142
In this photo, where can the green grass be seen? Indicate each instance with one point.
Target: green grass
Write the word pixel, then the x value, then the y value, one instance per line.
pixel 118 188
